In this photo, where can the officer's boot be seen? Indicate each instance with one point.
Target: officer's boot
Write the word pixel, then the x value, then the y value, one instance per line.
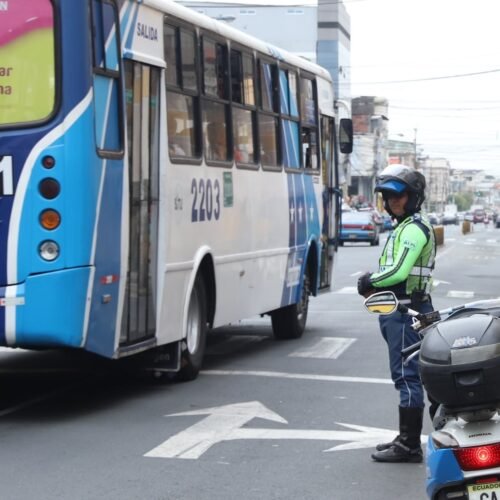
pixel 406 447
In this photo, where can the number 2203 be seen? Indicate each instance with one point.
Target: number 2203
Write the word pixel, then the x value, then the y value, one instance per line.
pixel 206 200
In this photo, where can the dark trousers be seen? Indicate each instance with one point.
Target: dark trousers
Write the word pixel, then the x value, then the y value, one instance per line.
pixel 398 333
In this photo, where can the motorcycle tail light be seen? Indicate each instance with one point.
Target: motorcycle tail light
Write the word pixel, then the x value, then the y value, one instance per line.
pixel 478 457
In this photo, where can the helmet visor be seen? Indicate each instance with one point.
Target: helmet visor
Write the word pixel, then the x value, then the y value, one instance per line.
pixel 391 185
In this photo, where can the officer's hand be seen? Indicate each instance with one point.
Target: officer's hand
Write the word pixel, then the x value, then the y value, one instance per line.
pixel 365 286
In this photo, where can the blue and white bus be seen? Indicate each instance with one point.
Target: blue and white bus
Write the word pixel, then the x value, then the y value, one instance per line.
pixel 161 174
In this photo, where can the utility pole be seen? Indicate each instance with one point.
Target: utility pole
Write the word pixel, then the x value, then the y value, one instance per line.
pixel 415 147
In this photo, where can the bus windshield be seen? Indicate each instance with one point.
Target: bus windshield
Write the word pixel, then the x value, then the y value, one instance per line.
pixel 27 69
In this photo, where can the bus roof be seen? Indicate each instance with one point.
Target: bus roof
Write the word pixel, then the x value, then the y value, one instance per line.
pixel 220 27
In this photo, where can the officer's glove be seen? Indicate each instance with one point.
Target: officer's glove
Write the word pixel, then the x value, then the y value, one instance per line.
pixel 365 287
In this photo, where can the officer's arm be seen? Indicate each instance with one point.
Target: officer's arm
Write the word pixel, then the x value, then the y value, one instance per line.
pixel 413 240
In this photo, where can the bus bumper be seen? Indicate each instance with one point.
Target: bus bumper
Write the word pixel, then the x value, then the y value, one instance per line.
pixel 47 310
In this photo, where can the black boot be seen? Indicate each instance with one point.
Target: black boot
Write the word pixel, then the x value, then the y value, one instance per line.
pixel 406 447
pixel 385 446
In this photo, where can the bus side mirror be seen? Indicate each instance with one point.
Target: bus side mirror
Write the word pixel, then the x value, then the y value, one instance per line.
pixel 381 303
pixel 345 135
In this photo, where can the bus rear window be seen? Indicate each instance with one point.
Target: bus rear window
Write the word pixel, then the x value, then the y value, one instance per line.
pixel 27 66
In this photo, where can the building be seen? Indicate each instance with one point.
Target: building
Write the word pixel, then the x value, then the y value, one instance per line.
pixel 402 152
pixel 437 174
pixel 369 157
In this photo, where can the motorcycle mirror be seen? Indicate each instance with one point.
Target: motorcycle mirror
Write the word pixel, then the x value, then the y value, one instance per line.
pixel 381 303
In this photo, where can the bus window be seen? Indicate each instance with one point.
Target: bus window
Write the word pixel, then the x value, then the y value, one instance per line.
pixel 182 91
pixel 188 61
pixel 268 126
pixel 215 105
pixel 214 131
pixel 170 44
pixel 290 119
pixel 27 69
pixel 309 149
pixel 243 136
pixel 309 130
pixel 242 78
pixel 181 132
pixel 215 69
pixel 268 114
pixel 107 94
pixel 267 86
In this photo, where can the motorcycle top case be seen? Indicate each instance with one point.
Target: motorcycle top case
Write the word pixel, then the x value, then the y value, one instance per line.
pixel 460 361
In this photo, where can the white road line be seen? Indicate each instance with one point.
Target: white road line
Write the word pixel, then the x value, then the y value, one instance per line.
pixel 357 273
pixel 324 348
pixel 31 402
pixel 458 294
pixel 300 376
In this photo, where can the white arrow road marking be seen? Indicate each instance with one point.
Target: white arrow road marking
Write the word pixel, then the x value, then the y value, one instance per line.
pixel 458 294
pixel 438 282
pixel 324 348
pixel 221 421
pixel 224 423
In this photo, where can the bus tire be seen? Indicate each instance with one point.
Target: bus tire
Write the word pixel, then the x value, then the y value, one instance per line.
pixel 289 322
pixel 193 346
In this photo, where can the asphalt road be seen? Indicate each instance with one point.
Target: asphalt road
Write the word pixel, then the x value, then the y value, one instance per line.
pixel 265 420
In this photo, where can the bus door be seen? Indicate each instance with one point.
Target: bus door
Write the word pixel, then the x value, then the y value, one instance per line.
pixel 142 90
pixel 331 211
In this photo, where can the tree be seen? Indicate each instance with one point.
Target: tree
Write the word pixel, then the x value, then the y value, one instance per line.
pixel 463 201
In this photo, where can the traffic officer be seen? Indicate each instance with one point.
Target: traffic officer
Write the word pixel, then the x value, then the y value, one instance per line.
pixel 405 267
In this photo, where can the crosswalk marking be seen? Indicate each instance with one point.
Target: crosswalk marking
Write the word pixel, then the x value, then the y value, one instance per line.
pixel 324 348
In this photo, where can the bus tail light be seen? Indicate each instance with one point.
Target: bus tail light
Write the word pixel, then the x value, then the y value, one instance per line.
pixel 49 188
pixel 49 250
pixel 50 219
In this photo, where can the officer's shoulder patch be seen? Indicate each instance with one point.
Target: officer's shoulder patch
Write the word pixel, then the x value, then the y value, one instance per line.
pixel 409 244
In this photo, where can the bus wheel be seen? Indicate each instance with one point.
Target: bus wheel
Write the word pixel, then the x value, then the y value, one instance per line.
pixel 194 344
pixel 290 322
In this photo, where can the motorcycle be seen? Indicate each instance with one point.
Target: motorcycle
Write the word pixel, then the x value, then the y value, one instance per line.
pixel 459 359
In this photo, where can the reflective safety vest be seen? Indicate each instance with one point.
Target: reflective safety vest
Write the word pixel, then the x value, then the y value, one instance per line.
pixel 407 261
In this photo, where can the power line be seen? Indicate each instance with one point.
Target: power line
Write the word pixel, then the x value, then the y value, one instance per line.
pixel 458 75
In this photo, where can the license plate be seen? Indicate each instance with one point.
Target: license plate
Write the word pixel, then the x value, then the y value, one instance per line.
pixel 484 491
pixel 353 236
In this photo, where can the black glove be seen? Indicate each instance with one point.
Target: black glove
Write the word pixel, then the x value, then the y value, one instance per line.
pixel 364 284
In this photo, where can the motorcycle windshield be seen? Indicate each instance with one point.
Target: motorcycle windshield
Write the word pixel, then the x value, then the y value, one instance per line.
pixel 27 62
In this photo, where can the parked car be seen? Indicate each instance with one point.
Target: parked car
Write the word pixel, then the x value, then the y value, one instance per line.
pixel 433 218
pixel 359 226
pixel 479 216
pixel 469 216
pixel 388 224
pixel 377 217
pixel 449 218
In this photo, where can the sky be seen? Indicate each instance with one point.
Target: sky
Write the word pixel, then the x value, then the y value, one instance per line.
pixel 435 42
